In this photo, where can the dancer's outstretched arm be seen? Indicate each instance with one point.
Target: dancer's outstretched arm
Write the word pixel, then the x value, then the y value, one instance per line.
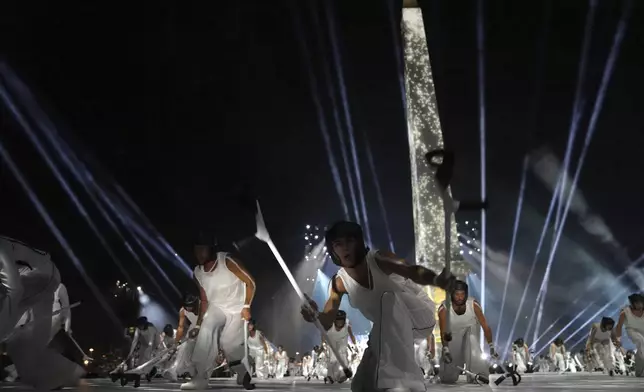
pixel 351 336
pixel 389 263
pixel 182 325
pixel 203 305
pixel 238 269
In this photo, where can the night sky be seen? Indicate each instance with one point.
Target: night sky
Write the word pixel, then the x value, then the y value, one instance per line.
pixel 188 106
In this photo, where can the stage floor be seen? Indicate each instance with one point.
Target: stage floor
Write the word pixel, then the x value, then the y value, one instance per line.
pixel 531 383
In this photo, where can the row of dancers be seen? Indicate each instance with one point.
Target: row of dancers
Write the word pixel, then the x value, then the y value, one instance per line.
pixel 379 284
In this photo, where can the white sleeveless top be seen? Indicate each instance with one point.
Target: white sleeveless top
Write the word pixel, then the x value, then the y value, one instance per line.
pixel 557 350
pixel 367 301
pixel 149 337
pixel 223 288
pixel 281 356
pixel 632 321
pixel 255 342
pixel 339 338
pixel 601 336
pixel 460 322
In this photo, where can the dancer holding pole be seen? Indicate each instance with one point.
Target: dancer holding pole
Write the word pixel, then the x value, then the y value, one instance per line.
pixel 397 313
pixel 226 292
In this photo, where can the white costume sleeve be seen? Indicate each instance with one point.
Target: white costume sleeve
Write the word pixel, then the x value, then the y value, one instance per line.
pixel 64 305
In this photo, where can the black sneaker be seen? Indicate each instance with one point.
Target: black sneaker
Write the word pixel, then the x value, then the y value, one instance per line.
pixel 246 382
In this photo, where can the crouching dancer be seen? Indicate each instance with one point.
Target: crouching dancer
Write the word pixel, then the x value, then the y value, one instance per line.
pixel 226 291
pixel 598 345
pixel 182 363
pixel 632 317
pixel 464 345
pixel 28 281
pixel 398 313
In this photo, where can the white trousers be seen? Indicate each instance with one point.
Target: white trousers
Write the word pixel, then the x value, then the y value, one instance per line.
pixel 559 362
pixel 334 368
pixel 258 359
pixel 603 355
pixel 466 352
pixel 389 361
pixel 320 366
pixel 37 364
pixel 637 337
pixel 307 369
pixel 182 361
pixel 223 330
pixel 519 363
pixel 281 368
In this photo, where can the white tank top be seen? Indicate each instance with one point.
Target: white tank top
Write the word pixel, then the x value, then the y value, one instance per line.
pixel 339 338
pixel 281 356
pixel 557 350
pixel 632 321
pixel 367 301
pixel 149 337
pixel 459 322
pixel 601 336
pixel 255 342
pixel 223 288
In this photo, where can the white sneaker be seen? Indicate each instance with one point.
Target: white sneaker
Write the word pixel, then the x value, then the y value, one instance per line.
pixel 194 385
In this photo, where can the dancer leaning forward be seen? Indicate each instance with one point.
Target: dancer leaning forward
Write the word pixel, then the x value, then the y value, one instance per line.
pixel 387 292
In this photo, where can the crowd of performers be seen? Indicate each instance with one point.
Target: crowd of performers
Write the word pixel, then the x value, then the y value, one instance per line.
pixel 215 327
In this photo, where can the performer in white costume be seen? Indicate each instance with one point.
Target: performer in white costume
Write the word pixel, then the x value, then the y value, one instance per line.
pixel 182 361
pixel 339 335
pixel 147 338
pixel 632 317
pixel 466 321
pixel 28 281
pixel 598 345
pixel 258 349
pixel 62 318
pixel 558 356
pixel 281 362
pixel 521 355
pixel 226 292
pixel 307 365
pixel 318 359
pixel 398 313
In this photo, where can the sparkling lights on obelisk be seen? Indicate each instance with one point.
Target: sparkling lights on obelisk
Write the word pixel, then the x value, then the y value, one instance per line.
pixel 425 134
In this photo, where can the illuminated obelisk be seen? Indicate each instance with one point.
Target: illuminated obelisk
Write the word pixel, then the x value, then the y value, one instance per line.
pixel 425 134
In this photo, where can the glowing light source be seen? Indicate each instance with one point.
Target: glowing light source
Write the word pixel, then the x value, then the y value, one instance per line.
pixel 425 134
pixel 138 288
pixel 91 350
